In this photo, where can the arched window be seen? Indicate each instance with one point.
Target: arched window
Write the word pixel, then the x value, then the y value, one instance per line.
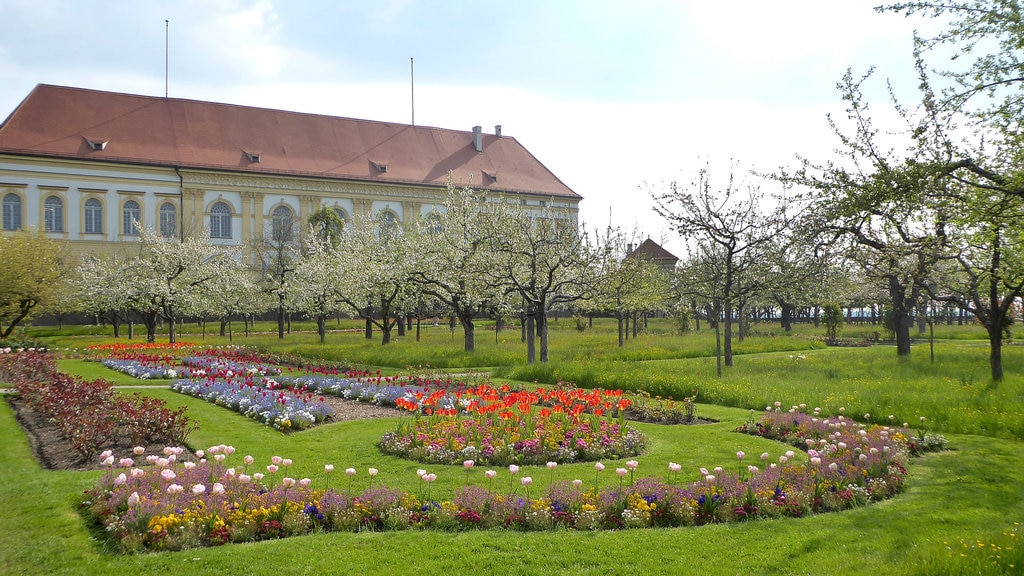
pixel 387 225
pixel 93 216
pixel 282 224
pixel 220 221
pixel 53 214
pixel 131 217
pixel 432 223
pixel 168 220
pixel 342 214
pixel 12 212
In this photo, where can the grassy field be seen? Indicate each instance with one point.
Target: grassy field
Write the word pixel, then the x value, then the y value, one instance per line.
pixel 960 513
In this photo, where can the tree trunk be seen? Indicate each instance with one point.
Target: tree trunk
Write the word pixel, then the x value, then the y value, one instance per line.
pixel 622 339
pixel 787 316
pixel 321 327
pixel 718 347
pixel 401 325
pixel 542 330
pixel 172 337
pixel 728 333
pixel 995 354
pixel 468 333
pixel 531 343
pixel 280 320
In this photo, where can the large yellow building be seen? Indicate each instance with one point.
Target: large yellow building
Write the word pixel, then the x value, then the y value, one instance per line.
pixel 85 166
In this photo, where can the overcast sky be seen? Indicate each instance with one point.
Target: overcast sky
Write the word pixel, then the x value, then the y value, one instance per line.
pixel 616 98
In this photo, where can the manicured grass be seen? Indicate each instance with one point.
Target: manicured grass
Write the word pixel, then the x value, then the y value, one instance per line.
pixel 953 500
pixel 969 494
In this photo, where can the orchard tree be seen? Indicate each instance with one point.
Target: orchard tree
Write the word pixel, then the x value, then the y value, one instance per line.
pixel 544 258
pixel 453 256
pixel 379 289
pixel 729 217
pixel 625 284
pixel 319 282
pixel 277 252
pixel 986 35
pixel 30 266
pixel 700 283
pixel 169 274
pixel 885 206
pixel 100 290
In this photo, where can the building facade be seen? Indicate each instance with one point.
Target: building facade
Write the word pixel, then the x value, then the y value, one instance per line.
pixel 90 167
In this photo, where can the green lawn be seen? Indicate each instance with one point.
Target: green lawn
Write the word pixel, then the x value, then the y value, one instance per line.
pixel 953 517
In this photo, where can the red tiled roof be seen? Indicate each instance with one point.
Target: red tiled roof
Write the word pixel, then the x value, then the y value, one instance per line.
pixel 56 121
pixel 653 251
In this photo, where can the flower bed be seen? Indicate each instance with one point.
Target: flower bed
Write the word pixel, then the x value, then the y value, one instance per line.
pixel 218 500
pixel 523 439
pixel 252 397
pixel 794 426
pixel 89 414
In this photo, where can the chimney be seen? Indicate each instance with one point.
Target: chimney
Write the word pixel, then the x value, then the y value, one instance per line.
pixel 478 138
pixel 497 130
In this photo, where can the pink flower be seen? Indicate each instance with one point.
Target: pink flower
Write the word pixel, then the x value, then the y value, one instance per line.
pixel 175 489
pixel 304 482
pixel 372 471
pixel 133 500
pixel 258 476
pixel 162 462
pixel 137 472
pixel 752 469
pixel 248 459
pixel 108 461
pixel 220 457
pixel 198 489
pixel 490 474
pixel 710 478
pixel 126 462
pixel 468 464
pixel 598 466
pixel 513 469
pixel 577 483
pixel 833 466
pixel 244 478
pixel 276 460
pixel 816 461
pixel 552 465
pixel 139 450
pixel 429 477
pixel 272 469
pixel 218 488
pixel 421 472
pixel 740 455
pixel 200 454
pixel 286 462
pixel 350 471
pixel 764 456
pixel 328 468
pixel 167 474
pixel 121 479
pixel 632 464
pixel 621 471
pixel 673 467
pixel 704 472
pixel 152 458
pixel 526 480
pixel 287 482
pixel 106 454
